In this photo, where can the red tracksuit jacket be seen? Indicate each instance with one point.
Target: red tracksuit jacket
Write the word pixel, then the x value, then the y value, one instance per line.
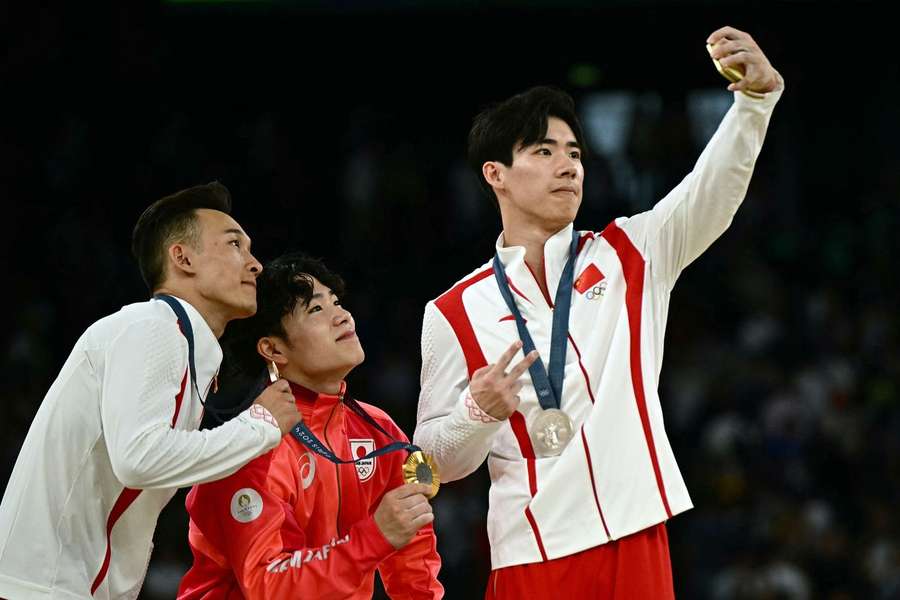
pixel 293 524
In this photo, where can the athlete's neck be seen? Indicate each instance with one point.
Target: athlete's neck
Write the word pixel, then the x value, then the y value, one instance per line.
pixel 532 238
pixel 320 383
pixel 214 317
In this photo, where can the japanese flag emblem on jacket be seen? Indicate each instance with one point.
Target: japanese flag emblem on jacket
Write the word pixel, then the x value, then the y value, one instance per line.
pixel 364 468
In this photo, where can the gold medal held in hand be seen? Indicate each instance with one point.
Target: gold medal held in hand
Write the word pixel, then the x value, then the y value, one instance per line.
pixel 732 74
pixel 420 468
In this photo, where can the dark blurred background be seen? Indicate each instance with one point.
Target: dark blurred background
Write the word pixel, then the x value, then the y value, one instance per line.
pixel 340 129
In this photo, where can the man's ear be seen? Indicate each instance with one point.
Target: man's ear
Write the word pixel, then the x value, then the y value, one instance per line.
pixel 180 258
pixel 494 173
pixel 271 349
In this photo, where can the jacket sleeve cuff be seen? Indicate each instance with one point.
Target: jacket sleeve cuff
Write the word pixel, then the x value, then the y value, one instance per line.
pixel 767 100
pixel 374 545
pixel 468 419
pixel 262 421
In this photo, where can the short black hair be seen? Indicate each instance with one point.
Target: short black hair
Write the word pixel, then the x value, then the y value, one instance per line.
pixel 170 220
pixel 283 283
pixel 518 121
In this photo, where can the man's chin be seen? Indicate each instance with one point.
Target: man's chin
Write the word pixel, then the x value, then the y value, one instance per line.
pixel 356 358
pixel 560 217
pixel 244 311
pixel 559 222
pixel 570 212
pixel 351 363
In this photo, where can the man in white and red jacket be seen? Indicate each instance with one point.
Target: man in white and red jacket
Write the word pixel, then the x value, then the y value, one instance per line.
pixel 578 506
pixel 293 523
pixel 116 434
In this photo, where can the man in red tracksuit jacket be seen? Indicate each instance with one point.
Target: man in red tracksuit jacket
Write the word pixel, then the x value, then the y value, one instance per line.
pixel 293 523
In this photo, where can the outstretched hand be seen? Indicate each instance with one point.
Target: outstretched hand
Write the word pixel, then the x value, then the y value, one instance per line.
pixel 737 49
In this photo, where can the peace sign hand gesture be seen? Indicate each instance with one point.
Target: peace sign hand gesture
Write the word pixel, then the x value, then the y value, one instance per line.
pixel 494 389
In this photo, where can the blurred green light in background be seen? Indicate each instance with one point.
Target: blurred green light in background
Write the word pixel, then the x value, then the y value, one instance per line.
pixel 584 75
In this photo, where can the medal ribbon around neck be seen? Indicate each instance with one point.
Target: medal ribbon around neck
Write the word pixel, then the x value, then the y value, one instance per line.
pixel 187 331
pixel 547 386
pixel 417 459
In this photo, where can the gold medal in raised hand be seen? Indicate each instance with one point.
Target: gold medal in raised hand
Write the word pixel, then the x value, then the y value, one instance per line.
pixel 732 74
pixel 551 432
pixel 420 468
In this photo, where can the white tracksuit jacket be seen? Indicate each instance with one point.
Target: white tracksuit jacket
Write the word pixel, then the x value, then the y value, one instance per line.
pixel 111 442
pixel 618 475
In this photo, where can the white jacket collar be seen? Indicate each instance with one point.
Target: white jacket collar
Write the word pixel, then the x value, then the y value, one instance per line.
pixel 556 252
pixel 207 351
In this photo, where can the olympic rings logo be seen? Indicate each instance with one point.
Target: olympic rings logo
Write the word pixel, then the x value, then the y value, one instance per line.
pixel 596 292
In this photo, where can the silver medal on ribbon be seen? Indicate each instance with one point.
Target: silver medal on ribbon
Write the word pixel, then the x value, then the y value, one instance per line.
pixel 551 432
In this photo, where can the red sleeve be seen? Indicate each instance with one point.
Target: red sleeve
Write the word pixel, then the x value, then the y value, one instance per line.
pixel 411 572
pixel 250 517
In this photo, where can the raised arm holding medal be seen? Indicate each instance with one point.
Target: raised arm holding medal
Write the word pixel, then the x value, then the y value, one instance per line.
pixel 582 475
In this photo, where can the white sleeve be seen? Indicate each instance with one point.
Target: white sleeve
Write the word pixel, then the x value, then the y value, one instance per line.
pixel 446 428
pixel 698 210
pixel 144 369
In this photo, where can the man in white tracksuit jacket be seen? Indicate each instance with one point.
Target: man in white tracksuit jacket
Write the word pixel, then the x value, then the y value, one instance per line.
pixel 116 434
pixel 577 508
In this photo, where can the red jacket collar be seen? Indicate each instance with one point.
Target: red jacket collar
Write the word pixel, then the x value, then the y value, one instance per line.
pixel 306 396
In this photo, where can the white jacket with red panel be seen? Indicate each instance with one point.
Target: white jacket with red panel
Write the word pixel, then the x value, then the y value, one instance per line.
pixel 110 444
pixel 618 475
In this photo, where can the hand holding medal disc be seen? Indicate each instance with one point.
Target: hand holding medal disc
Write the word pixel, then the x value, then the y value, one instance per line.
pixel 420 468
pixel 732 74
pixel 739 59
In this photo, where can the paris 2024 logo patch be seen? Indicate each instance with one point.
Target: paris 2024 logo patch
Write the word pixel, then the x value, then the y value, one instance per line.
pixel 246 505
pixel 364 468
